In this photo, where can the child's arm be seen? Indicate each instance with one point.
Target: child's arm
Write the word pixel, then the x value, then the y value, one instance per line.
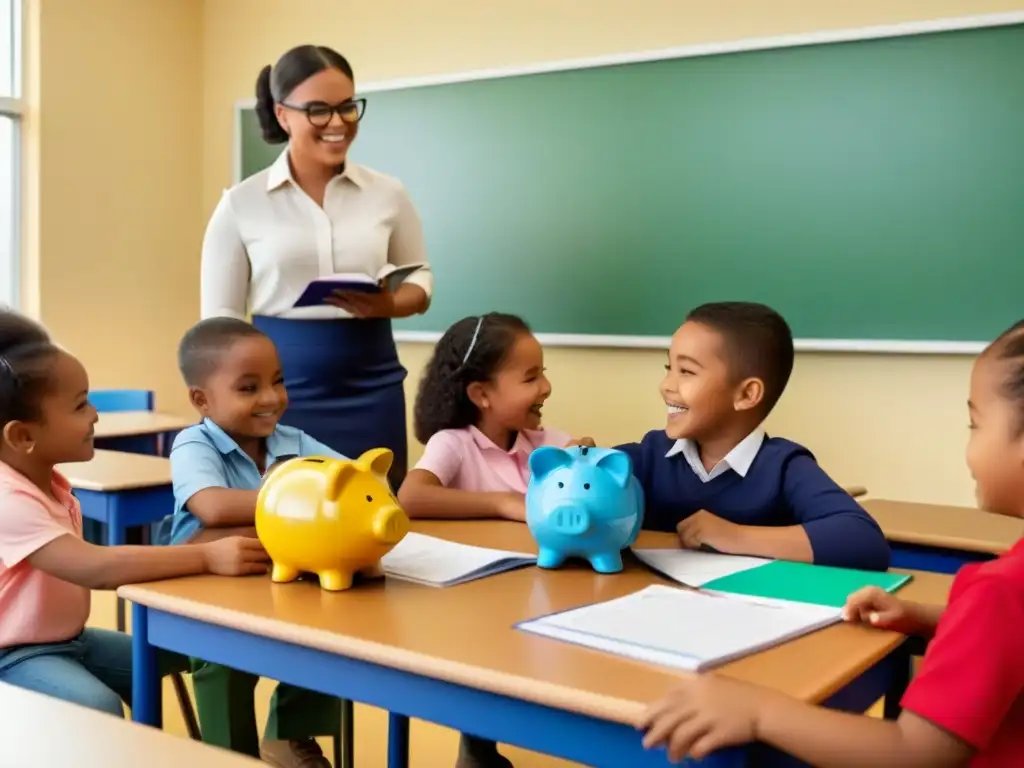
pixel 216 534
pixel 197 472
pixel 71 559
pixel 785 542
pixel 840 532
pixel 423 495
pixel 969 682
pixel 708 713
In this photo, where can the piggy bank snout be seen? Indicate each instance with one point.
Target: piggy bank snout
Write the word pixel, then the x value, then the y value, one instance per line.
pixel 389 525
pixel 570 518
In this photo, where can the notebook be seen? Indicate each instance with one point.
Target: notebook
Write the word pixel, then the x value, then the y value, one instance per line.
pixel 390 277
pixel 757 577
pixel 683 628
pixel 439 563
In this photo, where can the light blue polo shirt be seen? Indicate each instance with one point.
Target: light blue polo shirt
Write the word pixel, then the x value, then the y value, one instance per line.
pixel 204 456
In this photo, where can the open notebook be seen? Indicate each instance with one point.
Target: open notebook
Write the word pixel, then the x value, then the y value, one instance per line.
pixel 390 277
pixel 682 628
pixel 440 563
pixel 757 577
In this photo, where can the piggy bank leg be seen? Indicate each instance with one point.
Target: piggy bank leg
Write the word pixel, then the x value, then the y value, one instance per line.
pixel 549 558
pixel 282 573
pixel 335 581
pixel 607 562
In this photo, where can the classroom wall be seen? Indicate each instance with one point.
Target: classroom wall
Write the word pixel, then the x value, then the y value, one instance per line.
pixel 894 423
pixel 114 211
pixel 130 146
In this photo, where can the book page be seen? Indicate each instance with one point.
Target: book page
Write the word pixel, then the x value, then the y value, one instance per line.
pixel 436 561
pixel 694 568
pixel 697 627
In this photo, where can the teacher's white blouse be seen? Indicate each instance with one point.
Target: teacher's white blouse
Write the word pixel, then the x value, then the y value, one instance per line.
pixel 267 240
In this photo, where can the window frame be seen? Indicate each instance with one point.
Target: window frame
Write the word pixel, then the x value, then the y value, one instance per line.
pixel 12 108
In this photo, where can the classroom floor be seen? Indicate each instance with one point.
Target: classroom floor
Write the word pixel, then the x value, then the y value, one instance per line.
pixel 431 746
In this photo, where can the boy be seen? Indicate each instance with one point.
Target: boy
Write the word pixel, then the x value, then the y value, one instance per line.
pixel 715 478
pixel 234 381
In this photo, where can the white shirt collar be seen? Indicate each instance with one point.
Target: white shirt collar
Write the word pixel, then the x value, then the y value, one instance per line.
pixel 738 459
pixel 281 171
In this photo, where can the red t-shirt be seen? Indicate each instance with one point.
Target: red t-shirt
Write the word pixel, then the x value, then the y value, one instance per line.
pixel 971 682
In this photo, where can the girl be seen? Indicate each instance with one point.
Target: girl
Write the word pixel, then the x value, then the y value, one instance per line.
pixel 966 705
pixel 46 569
pixel 479 412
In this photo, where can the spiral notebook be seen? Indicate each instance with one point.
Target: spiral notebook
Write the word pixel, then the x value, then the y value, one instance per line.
pixel 683 628
pixel 440 563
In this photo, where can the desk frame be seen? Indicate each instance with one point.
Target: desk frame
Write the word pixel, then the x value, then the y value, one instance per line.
pixel 921 557
pixel 569 735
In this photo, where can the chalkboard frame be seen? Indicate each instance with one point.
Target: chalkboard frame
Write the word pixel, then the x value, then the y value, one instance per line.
pixel 906 29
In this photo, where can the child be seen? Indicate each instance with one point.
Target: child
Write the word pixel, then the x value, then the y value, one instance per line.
pixel 966 704
pixel 46 569
pixel 479 413
pixel 235 383
pixel 715 478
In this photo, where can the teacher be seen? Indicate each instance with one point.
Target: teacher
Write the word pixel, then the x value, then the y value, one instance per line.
pixel 315 213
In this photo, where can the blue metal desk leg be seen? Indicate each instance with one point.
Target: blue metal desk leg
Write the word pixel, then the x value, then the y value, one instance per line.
pixel 903 667
pixel 398 741
pixel 115 538
pixel 146 703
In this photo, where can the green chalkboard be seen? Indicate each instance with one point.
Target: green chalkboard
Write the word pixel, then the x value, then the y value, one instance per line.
pixel 868 190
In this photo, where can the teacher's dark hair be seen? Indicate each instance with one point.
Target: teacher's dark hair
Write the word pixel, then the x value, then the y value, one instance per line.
pixel 465 354
pixel 293 68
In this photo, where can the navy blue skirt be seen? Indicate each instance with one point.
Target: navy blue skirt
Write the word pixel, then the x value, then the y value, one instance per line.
pixel 344 384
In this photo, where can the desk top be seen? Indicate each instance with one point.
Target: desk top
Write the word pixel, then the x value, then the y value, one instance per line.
pixel 111 471
pixel 130 423
pixel 936 525
pixel 89 739
pixel 397 624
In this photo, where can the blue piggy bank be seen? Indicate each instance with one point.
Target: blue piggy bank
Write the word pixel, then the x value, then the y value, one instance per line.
pixel 583 502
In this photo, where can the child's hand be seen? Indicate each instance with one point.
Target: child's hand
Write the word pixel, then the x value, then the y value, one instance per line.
pixel 235 556
pixel 704 528
pixel 512 506
pixel 703 714
pixel 584 441
pixel 878 608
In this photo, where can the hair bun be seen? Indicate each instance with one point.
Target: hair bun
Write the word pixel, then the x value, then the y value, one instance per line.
pixel 271 129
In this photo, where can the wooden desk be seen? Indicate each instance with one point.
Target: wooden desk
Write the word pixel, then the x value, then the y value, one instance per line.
pixel 452 655
pixel 940 538
pixel 122 490
pixel 37 730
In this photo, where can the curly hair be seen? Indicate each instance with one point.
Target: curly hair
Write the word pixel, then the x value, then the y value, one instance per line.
pixel 26 367
pixel 473 349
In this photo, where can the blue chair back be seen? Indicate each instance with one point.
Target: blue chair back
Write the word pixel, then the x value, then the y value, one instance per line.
pixel 117 400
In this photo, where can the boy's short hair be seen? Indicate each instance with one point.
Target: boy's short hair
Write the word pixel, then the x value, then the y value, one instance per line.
pixel 201 348
pixel 758 343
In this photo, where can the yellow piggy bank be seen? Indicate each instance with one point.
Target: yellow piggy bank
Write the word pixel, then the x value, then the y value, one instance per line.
pixel 331 517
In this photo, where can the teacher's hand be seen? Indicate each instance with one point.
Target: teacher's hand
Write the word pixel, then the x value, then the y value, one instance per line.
pixel 364 305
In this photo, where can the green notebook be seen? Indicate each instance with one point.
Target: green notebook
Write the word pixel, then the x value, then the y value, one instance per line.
pixel 804 583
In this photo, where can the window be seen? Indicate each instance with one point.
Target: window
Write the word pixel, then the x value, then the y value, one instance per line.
pixel 10 155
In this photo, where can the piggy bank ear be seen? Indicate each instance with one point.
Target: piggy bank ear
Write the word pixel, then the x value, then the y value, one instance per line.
pixel 378 460
pixel 547 459
pixel 618 465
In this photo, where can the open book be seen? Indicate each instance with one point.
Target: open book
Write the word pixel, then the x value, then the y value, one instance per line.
pixel 682 628
pixel 440 563
pixel 390 277
pixel 760 578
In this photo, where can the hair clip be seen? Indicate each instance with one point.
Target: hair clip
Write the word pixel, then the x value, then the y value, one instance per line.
pixel 472 342
pixel 6 366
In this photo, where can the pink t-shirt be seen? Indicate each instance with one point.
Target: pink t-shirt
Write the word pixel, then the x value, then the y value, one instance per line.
pixel 467 460
pixel 36 607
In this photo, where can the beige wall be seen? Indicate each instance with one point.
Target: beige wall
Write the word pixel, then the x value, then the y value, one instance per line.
pixel 115 148
pixel 133 161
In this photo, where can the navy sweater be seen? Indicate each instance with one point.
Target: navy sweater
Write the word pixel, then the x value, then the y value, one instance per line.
pixel 784 486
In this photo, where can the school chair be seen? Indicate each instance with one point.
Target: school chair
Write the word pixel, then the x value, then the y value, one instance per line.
pixel 120 400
